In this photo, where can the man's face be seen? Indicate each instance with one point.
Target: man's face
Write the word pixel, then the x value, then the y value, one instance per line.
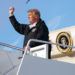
pixel 32 17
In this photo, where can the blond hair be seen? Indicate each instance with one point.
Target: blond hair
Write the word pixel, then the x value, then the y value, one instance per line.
pixel 36 11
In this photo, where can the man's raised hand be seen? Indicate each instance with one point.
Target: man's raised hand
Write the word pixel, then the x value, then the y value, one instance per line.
pixel 11 11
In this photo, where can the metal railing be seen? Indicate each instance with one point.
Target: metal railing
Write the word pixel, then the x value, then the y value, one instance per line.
pixel 48 42
pixel 35 40
pixel 11 46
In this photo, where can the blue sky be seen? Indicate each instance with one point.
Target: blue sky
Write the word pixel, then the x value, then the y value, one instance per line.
pixel 56 13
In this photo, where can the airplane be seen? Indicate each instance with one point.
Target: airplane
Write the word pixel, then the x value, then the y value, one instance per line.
pixel 60 55
pixel 65 36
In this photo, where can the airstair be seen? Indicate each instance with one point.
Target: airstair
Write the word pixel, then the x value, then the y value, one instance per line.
pixel 35 61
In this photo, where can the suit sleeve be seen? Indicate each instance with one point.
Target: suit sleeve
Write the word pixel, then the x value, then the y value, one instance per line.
pixel 20 28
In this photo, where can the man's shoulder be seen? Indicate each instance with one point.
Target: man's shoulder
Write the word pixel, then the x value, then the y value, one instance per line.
pixel 41 23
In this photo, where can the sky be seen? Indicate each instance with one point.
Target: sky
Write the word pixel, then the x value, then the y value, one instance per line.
pixel 56 13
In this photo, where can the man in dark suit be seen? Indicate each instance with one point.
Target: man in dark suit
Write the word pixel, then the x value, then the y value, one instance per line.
pixel 36 29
